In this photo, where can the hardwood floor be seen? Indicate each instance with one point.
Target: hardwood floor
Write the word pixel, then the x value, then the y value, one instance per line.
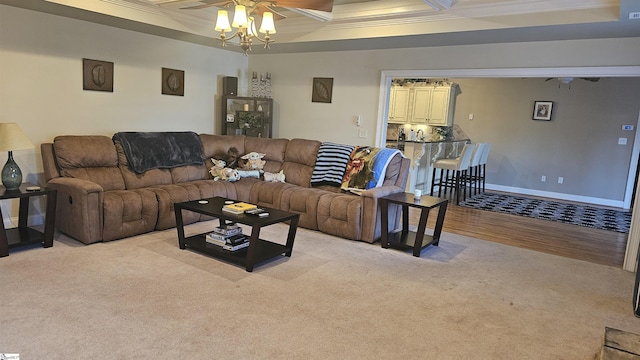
pixel 572 241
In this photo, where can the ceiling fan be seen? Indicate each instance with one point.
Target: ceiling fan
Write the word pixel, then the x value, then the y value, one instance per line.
pixel 247 11
pixel 269 5
pixel 566 80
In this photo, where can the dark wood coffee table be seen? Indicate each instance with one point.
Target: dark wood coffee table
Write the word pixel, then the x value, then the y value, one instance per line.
pixel 259 250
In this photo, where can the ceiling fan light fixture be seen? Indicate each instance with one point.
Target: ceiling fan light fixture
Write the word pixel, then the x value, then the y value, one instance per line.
pixel 267 26
pixel 222 23
pixel 565 80
pixel 244 22
pixel 240 17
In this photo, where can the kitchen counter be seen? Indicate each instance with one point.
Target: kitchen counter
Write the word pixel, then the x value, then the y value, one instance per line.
pixel 423 154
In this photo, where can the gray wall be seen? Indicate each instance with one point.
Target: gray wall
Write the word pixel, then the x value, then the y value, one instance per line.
pixel 522 146
pixel 580 143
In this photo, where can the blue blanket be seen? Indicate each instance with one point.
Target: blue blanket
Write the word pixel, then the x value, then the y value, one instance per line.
pixel 366 168
pixel 154 150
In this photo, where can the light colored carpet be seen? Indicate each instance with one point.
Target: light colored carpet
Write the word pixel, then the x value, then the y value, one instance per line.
pixel 144 298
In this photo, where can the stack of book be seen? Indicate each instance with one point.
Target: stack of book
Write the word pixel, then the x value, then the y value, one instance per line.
pixel 238 208
pixel 229 237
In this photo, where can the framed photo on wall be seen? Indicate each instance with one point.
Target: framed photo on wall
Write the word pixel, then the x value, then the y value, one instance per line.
pixel 172 82
pixel 322 90
pixel 97 75
pixel 542 110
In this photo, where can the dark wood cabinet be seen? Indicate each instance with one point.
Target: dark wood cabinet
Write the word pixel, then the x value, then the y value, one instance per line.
pixel 248 116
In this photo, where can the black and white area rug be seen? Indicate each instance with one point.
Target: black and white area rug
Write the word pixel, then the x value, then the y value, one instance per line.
pixel 583 215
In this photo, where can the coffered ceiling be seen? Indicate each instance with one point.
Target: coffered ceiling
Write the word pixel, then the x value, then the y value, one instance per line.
pixel 371 24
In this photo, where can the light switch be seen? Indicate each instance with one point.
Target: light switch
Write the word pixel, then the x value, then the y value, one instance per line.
pixel 622 141
pixel 627 127
pixel 470 116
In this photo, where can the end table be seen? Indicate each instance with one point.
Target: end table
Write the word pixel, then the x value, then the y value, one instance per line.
pixel 405 239
pixel 23 234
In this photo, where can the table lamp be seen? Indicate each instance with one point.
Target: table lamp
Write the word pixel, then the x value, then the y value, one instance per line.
pixel 12 138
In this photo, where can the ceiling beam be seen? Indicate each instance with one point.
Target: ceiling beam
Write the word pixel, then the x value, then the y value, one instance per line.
pixel 439 4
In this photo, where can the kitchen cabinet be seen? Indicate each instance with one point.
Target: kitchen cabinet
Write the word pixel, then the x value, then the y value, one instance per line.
pixel 248 116
pixel 433 105
pixel 399 104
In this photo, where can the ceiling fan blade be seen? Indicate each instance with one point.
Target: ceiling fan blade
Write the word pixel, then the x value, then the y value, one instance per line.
pixel 547 79
pixel 196 7
pixel 321 5
pixel 591 79
pixel 276 15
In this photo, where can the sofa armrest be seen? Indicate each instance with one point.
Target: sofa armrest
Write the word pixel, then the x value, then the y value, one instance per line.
pixel 371 212
pixel 381 191
pixel 79 208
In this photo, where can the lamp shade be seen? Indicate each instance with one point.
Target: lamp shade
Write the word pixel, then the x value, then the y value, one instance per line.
pixel 13 138
pixel 240 17
pixel 267 26
pixel 222 23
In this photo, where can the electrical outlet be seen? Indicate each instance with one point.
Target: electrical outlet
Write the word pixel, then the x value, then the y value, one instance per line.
pixel 543 178
pixel 560 180
pixel 362 133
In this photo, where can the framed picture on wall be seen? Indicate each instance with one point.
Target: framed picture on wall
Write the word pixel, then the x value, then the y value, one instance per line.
pixel 172 82
pixel 542 110
pixel 97 75
pixel 322 90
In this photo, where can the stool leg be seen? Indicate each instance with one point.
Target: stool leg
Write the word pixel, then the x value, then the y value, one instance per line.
pixel 457 186
pixel 433 180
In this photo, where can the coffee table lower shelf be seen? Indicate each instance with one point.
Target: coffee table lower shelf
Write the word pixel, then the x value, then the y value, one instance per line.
pixel 24 236
pixel 408 242
pixel 264 250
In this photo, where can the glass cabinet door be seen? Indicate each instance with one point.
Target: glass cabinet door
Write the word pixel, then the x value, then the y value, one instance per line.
pixel 247 116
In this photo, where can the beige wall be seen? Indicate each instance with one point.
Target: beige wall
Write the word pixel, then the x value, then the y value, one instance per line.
pixel 41 81
pixel 41 87
pixel 41 90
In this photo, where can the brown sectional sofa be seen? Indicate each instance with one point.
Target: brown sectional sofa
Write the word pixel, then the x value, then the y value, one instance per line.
pixel 101 199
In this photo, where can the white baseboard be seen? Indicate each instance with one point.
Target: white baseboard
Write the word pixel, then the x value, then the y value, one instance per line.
pixel 559 196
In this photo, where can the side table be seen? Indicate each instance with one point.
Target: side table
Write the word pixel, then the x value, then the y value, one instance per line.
pixel 405 239
pixel 23 234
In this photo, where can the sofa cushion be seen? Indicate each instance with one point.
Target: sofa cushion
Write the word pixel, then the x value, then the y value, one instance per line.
pixel 299 161
pixel 340 215
pixel 268 193
pixel 166 196
pixel 128 213
pixel 273 149
pixel 137 181
pixel 303 201
pixel 186 173
pixel 92 158
pixel 216 145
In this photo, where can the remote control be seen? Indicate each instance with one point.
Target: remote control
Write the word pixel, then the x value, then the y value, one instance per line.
pixel 255 211
pixel 263 214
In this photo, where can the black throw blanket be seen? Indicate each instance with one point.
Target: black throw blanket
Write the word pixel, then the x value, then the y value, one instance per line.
pixel 153 150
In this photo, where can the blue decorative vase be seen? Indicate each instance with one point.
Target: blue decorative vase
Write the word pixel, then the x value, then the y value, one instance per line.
pixel 11 174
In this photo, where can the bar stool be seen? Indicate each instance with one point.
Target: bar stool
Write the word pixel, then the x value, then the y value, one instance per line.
pixel 472 178
pixel 483 164
pixel 459 165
